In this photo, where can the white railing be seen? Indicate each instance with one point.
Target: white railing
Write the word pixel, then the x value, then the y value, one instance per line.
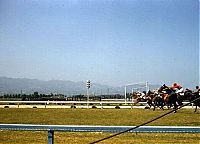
pixel 80 104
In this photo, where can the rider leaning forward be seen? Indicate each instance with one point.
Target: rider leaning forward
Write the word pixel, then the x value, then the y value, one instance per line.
pixel 177 87
pixel 197 90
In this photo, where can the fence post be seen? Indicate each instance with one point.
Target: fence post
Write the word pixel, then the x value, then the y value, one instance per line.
pixel 101 105
pixel 50 137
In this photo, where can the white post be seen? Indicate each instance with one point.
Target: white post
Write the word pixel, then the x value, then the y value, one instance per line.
pixel 88 86
pixel 87 98
pixel 147 86
pixel 125 95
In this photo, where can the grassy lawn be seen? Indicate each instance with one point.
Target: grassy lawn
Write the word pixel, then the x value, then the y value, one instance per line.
pixel 184 117
pixel 22 137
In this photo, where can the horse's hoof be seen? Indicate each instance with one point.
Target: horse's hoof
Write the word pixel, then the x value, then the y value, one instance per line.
pixel 147 107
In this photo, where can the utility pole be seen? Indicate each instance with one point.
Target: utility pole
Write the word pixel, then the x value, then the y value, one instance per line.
pixel 125 93
pixel 88 86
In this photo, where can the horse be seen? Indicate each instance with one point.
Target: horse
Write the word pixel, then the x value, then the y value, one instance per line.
pixel 153 99
pixel 192 96
pixel 138 97
pixel 149 96
pixel 158 101
pixel 169 96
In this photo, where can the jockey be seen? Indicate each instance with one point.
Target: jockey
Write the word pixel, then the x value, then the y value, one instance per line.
pixel 197 90
pixel 141 94
pixel 177 88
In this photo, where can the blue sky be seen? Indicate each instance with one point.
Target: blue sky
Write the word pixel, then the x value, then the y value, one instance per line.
pixel 111 42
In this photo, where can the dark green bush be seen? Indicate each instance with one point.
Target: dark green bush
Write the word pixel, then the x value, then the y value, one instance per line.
pixel 94 106
pixel 73 106
pixel 117 107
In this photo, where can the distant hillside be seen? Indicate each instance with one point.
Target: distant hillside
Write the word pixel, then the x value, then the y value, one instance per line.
pixel 28 86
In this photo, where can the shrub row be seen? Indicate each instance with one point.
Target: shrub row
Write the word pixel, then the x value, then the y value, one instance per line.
pixel 73 106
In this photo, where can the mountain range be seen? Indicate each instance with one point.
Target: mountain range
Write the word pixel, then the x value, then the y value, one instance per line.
pixel 29 86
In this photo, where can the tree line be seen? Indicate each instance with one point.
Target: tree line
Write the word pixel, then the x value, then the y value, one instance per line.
pixel 59 97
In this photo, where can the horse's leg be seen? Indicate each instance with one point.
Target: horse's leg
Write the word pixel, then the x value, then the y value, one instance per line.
pixel 154 107
pixel 175 106
pixel 162 105
pixel 195 109
pixel 179 99
pixel 165 104
pixel 149 103
pixel 169 103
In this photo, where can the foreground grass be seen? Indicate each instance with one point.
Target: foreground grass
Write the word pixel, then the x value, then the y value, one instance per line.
pixel 20 137
pixel 184 117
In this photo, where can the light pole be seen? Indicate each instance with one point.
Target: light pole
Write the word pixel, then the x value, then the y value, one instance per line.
pixel 147 87
pixel 88 86
pixel 125 94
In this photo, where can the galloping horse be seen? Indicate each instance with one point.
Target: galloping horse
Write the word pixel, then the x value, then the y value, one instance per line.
pixel 154 99
pixel 158 101
pixel 138 97
pixel 192 96
pixel 169 96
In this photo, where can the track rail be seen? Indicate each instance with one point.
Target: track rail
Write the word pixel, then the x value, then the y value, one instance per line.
pixel 76 102
pixel 94 128
pixel 89 128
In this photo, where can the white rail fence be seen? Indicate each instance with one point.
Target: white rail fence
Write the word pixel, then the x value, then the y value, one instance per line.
pixel 74 104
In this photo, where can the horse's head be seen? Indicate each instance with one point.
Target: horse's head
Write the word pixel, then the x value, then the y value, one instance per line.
pixel 134 95
pixel 149 93
pixel 188 90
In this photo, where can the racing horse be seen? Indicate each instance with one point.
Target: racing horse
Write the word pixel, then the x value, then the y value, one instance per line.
pixel 138 97
pixel 155 100
pixel 169 96
pixel 192 96
pixel 158 101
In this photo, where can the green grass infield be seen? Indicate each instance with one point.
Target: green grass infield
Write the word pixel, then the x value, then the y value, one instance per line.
pixel 123 117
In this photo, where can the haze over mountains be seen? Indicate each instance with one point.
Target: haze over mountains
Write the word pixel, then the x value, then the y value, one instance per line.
pixel 29 86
